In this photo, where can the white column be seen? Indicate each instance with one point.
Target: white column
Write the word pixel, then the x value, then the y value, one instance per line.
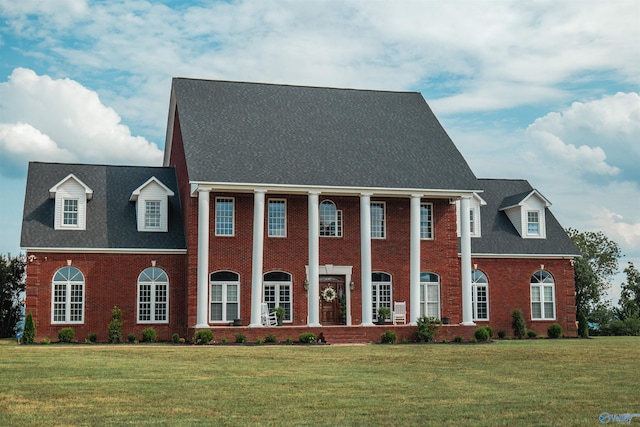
pixel 414 260
pixel 203 259
pixel 465 261
pixel 257 258
pixel 313 295
pixel 365 258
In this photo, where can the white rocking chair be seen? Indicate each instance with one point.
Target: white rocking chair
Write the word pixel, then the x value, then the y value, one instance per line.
pixel 399 312
pixel 267 318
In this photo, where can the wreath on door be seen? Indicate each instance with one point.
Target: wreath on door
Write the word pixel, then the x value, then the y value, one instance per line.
pixel 329 294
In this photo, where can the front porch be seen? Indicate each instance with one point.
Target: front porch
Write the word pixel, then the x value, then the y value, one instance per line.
pixel 336 334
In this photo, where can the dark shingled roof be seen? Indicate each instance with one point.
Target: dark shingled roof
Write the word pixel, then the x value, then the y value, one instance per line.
pixel 291 135
pixel 499 236
pixel 111 217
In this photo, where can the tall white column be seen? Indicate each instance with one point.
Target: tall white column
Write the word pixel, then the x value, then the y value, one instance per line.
pixel 313 295
pixel 465 261
pixel 414 260
pixel 203 259
pixel 365 258
pixel 257 258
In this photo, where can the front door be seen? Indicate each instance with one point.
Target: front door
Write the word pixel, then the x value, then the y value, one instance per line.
pixel 332 300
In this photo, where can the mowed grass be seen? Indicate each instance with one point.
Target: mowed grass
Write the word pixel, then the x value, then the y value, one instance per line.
pixel 527 382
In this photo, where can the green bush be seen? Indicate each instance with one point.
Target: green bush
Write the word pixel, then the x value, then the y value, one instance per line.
pixel 554 331
pixel 46 341
pixel 501 333
pixel 175 338
pixel 259 341
pixel 490 330
pixel 270 338
pixel 389 337
pixel 517 323
pixel 241 338
pixel 66 335
pixel 583 325
pixel 29 333
pixel 482 334
pixel 115 326
pixel 457 339
pixel 223 340
pixel 427 328
pixel 202 337
pixel 131 337
pixel 92 337
pixel 149 335
pixel 531 333
pixel 288 341
pixel 307 338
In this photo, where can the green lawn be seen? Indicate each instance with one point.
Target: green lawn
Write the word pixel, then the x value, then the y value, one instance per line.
pixel 528 382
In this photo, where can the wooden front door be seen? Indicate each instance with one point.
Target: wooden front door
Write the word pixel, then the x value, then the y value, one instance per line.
pixel 332 300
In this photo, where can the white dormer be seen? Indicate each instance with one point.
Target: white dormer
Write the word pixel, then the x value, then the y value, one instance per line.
pixel 527 214
pixel 152 205
pixel 71 196
pixel 474 215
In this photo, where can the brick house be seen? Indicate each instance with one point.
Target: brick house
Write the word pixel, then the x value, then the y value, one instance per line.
pixel 330 203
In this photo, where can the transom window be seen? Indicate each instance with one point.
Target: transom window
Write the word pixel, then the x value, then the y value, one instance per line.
pixel 152 214
pixel 380 292
pixel 277 218
pixel 533 223
pixel 378 222
pixel 480 295
pixel 429 295
pixel 68 296
pixel 224 216
pixel 426 221
pixel 543 305
pixel 70 212
pixel 330 220
pixel 224 297
pixel 153 296
pixel 277 292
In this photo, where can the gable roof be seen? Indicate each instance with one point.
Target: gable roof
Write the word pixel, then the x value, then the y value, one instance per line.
pixel 500 237
pixel 53 190
pixel 520 199
pixel 111 217
pixel 235 132
pixel 136 193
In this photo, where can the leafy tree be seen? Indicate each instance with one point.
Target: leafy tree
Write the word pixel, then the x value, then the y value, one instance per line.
pixel 12 285
pixel 630 295
pixel 115 326
pixel 29 330
pixel 595 269
pixel 518 324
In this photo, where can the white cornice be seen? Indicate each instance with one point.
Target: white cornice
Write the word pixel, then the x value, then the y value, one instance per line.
pixel 109 250
pixel 520 256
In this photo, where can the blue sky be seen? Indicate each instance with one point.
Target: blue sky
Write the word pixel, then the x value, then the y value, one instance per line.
pixel 547 91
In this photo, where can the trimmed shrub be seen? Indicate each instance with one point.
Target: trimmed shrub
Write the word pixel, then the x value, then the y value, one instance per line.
pixel 259 341
pixel 531 333
pixel 149 335
pixel 270 338
pixel 518 325
pixel 482 334
pixel 29 333
pixel 554 331
pixel 307 338
pixel 66 335
pixel 501 333
pixel 175 338
pixel 288 341
pixel 583 325
pixel 427 328
pixel 115 326
pixel 46 341
pixel 457 339
pixel 223 340
pixel 202 337
pixel 92 337
pixel 241 338
pixel 490 330
pixel 131 337
pixel 389 337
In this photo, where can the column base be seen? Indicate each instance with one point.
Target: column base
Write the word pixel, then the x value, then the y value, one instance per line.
pixel 467 324
pixel 256 325
pixel 367 324
pixel 202 326
pixel 314 325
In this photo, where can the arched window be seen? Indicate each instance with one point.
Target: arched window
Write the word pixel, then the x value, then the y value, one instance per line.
pixel 429 294
pixel 480 295
pixel 68 296
pixel 153 296
pixel 330 219
pixel 381 292
pixel 224 297
pixel 277 292
pixel 543 305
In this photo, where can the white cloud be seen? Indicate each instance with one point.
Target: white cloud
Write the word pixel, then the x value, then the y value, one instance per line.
pixel 56 120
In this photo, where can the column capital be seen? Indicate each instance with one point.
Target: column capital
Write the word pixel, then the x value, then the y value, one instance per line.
pixel 366 193
pixel 259 190
pixel 417 195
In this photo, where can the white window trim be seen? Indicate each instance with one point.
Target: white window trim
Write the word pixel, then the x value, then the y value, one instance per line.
pixel 338 220
pixel 539 222
pixel 376 304
pixel 542 301
pixel 63 225
pixel 423 303
pixel 431 225
pixel 153 301
pixel 154 227
pixel 233 216
pixel 285 218
pixel 277 295
pixel 474 300
pixel 384 220
pixel 224 301
pixel 67 310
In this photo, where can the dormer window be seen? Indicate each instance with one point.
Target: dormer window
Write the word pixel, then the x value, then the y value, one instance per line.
pixel 533 223
pixel 152 206
pixel 71 196
pixel 526 212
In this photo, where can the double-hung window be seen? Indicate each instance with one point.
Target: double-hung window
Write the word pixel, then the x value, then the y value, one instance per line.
pixel 479 295
pixel 533 223
pixel 426 221
pixel 152 214
pixel 68 296
pixel 380 292
pixel 542 296
pixel 153 296
pixel 224 216
pixel 277 292
pixel 70 212
pixel 330 219
pixel 429 295
pixel 224 297
pixel 378 220
pixel 277 218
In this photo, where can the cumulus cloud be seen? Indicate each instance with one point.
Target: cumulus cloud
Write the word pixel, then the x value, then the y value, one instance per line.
pixel 60 120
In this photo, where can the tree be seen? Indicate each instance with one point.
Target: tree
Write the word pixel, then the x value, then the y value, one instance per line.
pixel 595 269
pixel 12 285
pixel 630 295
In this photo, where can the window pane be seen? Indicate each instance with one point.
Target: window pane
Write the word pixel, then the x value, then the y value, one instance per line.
pixel 216 311
pixel 216 293
pixel 276 218
pixel 224 217
pixel 377 220
pixel 328 219
pixel 425 221
pixel 152 214
pixel 533 224
pixel 232 311
pixel 535 293
pixel 70 212
pixel 536 310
